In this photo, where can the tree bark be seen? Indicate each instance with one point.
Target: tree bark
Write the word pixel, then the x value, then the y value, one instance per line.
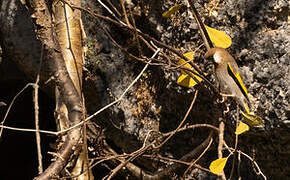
pixel 44 30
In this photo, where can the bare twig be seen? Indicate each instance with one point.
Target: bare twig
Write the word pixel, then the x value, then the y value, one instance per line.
pixel 186 127
pixel 231 150
pixel 115 9
pixel 180 162
pixel 125 13
pixel 221 139
pixel 256 164
pixel 136 154
pixel 186 157
pixel 195 161
pixel 108 9
pixel 159 43
pixel 236 144
pixel 10 106
pixel 239 165
pixel 36 114
pixel 167 171
pixel 136 33
pixel 202 30
pixel 29 130
pixel 88 118
pixel 181 123
pixel 221 142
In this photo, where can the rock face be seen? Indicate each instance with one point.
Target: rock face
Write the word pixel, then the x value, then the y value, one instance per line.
pixel 261 44
pixel 260 34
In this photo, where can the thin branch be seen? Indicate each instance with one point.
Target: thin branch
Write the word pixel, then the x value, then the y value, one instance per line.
pixel 221 142
pixel 186 157
pixel 167 171
pixel 112 103
pixel 29 130
pixel 181 123
pixel 115 9
pixel 180 162
pixel 10 106
pixel 231 150
pixel 203 32
pixel 36 114
pixel 136 33
pixel 186 127
pixel 108 9
pixel 159 43
pixel 195 161
pixel 236 144
pixel 256 164
pixel 136 154
pixel 88 118
pixel 125 13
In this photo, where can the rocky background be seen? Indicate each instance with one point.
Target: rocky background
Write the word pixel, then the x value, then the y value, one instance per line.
pixel 260 34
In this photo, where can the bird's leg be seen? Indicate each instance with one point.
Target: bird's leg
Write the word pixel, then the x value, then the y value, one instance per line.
pixel 224 97
pixel 227 95
pixel 222 100
pixel 227 110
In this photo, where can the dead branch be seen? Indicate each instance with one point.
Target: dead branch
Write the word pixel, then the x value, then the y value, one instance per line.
pixel 166 172
pixel 36 114
pixel 44 31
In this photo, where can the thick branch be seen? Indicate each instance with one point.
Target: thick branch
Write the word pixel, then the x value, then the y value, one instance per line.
pixel 45 33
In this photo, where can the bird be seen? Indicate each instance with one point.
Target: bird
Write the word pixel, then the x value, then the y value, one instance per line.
pixel 227 73
pixel 228 77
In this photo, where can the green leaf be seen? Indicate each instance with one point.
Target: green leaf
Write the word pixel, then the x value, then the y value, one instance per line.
pixel 252 119
pixel 217 166
pixel 242 128
pixel 219 38
pixel 172 10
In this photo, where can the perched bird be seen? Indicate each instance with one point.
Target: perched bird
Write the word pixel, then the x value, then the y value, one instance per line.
pixel 227 73
pixel 228 76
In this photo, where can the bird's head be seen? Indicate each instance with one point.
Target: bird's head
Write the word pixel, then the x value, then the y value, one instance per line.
pixel 219 55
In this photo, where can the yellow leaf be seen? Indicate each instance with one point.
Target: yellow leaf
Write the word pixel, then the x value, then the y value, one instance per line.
pixel 189 56
pixel 186 81
pixel 172 10
pixel 219 38
pixel 242 128
pixel 217 166
pixel 252 119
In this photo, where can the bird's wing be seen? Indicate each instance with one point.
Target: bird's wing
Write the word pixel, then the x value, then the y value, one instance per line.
pixel 235 74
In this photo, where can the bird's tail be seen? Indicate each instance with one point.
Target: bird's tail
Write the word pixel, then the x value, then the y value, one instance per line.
pixel 251 118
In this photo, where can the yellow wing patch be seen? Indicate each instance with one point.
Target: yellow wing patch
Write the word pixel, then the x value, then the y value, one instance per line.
pixel 240 81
